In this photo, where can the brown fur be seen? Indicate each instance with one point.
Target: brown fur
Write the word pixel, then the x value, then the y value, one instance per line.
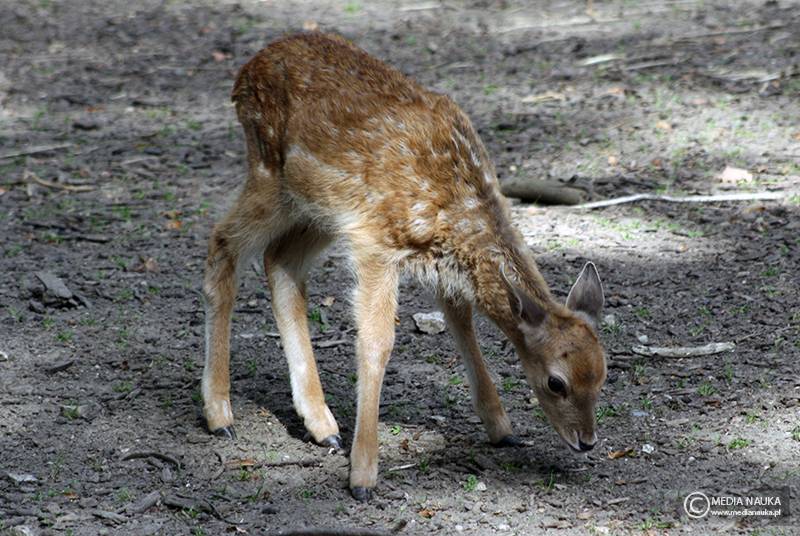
pixel 341 146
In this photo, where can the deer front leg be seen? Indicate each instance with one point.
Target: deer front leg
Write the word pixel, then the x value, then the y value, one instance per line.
pixel 286 269
pixel 458 315
pixel 375 308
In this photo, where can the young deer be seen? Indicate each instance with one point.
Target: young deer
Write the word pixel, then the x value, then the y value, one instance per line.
pixel 342 147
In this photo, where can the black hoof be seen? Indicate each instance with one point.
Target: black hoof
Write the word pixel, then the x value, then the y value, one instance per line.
pixel 508 441
pixel 226 431
pixel 361 494
pixel 332 442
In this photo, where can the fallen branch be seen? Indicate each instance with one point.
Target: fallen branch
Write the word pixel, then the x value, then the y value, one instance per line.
pixel 684 351
pixel 540 191
pixel 152 454
pixel 758 196
pixel 340 532
pixel 35 150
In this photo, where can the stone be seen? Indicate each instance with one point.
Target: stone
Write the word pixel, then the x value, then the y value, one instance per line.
pixel 430 323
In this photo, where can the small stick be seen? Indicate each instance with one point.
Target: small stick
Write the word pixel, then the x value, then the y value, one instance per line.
pixel 340 532
pixel 685 351
pixel 35 150
pixel 402 467
pixel 152 454
pixel 739 196
pixel 300 463
pixel 67 187
pixel 731 32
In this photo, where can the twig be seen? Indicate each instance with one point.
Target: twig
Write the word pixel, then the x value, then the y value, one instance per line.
pixel 758 196
pixel 35 150
pixel 299 463
pixel 331 343
pixel 684 351
pixel 68 187
pixel 340 532
pixel 218 472
pixel 731 32
pixel 152 454
pixel 402 467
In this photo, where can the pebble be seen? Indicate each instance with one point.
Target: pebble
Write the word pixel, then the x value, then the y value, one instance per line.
pixel 480 486
pixel 430 323
pixel 502 527
pixel 647 448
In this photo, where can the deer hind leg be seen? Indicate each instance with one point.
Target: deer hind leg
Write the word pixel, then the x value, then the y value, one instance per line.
pixel 287 265
pixel 375 309
pixel 458 315
pixel 253 222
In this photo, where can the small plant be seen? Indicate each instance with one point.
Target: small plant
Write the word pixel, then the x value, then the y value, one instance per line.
pixel 604 412
pixel 306 494
pixel 796 433
pixel 455 380
pixel 123 387
pixel 471 483
pixel 738 443
pixel 548 483
pixel 706 389
pixel 352 8
pixel 64 336
pixel 752 417
pixel 509 384
pixel 424 466
pixel 48 322
pixel 315 315
pixel 124 495
pixel 71 412
pixel 395 430
pixel 252 367
pixel 642 312
pixel 647 404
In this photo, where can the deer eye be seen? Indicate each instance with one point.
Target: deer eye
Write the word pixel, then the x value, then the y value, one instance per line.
pixel 556 385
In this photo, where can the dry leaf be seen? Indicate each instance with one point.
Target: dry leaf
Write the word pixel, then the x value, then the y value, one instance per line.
pixel 663 125
pixel 148 264
pixel 263 412
pixel 427 513
pixel 657 162
pixel 2 191
pixel 174 224
pixel 613 160
pixel 796 136
pixel 734 175
pixel 404 444
pixel 327 301
pixel 614 454
pixel 310 25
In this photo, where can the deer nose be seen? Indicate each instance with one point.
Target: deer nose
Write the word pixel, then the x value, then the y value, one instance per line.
pixel 585 447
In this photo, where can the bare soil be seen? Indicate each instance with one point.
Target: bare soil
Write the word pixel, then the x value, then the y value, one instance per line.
pixel 656 96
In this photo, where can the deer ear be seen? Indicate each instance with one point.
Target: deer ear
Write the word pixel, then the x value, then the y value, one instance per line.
pixel 586 295
pixel 524 308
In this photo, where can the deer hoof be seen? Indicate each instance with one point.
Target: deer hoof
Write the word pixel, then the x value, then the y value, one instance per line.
pixel 361 494
pixel 226 431
pixel 508 441
pixel 332 442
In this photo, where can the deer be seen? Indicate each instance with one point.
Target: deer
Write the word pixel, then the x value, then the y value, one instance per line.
pixel 343 148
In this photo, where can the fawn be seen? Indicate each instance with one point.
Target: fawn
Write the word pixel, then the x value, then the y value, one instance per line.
pixel 341 146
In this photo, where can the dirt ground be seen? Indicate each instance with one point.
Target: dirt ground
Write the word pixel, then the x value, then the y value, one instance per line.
pixel 635 97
